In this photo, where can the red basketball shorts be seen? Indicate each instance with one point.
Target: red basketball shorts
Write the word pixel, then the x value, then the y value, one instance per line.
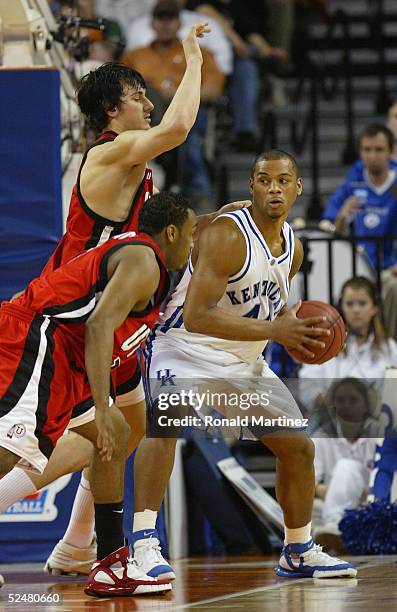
pixel 38 385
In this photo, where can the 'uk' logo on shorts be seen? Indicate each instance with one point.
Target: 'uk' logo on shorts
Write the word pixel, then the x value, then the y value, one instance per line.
pixel 165 377
pixel 17 431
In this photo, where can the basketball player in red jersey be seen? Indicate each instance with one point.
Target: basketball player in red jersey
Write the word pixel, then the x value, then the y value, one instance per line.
pixel 113 180
pixel 77 321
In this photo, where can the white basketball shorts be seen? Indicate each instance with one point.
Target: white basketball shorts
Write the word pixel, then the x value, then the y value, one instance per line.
pixel 195 385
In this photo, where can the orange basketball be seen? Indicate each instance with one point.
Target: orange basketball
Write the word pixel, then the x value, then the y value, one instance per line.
pixel 333 343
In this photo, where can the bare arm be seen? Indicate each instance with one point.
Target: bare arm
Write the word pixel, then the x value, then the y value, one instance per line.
pixel 221 253
pixel 134 278
pixel 346 214
pixel 238 43
pixel 136 147
pixel 264 49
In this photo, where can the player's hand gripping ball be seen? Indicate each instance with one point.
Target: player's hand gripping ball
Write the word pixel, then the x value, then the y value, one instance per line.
pixel 334 322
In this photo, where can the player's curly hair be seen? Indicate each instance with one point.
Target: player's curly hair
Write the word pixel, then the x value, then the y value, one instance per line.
pixel 161 210
pixel 101 90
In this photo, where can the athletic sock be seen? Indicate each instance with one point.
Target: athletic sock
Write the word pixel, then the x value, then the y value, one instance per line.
pixel 144 520
pixel 300 535
pixel 15 486
pixel 80 530
pixel 109 528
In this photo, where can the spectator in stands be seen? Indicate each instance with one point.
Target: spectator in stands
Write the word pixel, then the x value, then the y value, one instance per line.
pixel 345 448
pixel 140 33
pixel 368 350
pixel 162 64
pixel 367 206
pixel 244 23
pixel 356 169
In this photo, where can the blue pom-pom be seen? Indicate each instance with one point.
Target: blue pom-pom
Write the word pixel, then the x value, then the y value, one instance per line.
pixel 371 529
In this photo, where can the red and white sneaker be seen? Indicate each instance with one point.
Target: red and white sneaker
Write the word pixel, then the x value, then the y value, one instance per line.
pixel 117 575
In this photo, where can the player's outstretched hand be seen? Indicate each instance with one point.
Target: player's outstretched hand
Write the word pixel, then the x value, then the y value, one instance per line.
pixel 190 44
pixel 105 440
pixel 301 334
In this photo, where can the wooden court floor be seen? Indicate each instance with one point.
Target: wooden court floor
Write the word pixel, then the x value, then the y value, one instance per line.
pixel 233 583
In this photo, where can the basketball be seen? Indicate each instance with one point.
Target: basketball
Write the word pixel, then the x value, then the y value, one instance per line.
pixel 333 343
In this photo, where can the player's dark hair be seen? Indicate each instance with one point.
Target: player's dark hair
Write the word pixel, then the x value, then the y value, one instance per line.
pixel 376 325
pixel 161 210
pixel 373 129
pixel 101 90
pixel 274 154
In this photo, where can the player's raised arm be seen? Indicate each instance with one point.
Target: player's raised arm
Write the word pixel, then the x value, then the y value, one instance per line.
pixel 135 147
pixel 221 254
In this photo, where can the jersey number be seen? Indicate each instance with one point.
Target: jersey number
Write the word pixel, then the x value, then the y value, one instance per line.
pixel 131 344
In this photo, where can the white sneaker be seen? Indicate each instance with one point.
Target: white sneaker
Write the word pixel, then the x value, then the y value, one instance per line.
pixel 308 560
pixel 148 557
pixel 70 560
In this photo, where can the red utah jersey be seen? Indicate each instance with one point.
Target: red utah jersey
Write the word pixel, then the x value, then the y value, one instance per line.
pixel 69 294
pixel 86 229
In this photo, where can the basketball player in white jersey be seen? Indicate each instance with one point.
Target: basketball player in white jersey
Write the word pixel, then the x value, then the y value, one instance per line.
pixel 229 303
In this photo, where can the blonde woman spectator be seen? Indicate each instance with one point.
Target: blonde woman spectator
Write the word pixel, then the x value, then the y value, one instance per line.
pixel 368 349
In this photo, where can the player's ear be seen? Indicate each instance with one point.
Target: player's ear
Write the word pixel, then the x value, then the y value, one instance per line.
pixel 299 186
pixel 171 232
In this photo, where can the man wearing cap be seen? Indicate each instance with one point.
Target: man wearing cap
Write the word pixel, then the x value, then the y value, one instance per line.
pixel 162 64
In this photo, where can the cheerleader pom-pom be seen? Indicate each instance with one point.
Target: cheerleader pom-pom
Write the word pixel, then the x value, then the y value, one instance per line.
pixel 371 529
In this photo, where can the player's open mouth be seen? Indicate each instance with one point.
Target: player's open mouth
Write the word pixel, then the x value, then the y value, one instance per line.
pixel 275 202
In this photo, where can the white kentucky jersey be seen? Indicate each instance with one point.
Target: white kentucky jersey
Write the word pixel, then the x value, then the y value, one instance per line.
pixel 259 290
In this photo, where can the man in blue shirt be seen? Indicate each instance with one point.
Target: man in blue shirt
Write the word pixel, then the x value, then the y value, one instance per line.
pixel 366 205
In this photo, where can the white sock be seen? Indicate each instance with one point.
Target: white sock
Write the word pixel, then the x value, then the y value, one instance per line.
pixel 301 535
pixel 80 530
pixel 144 520
pixel 15 486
